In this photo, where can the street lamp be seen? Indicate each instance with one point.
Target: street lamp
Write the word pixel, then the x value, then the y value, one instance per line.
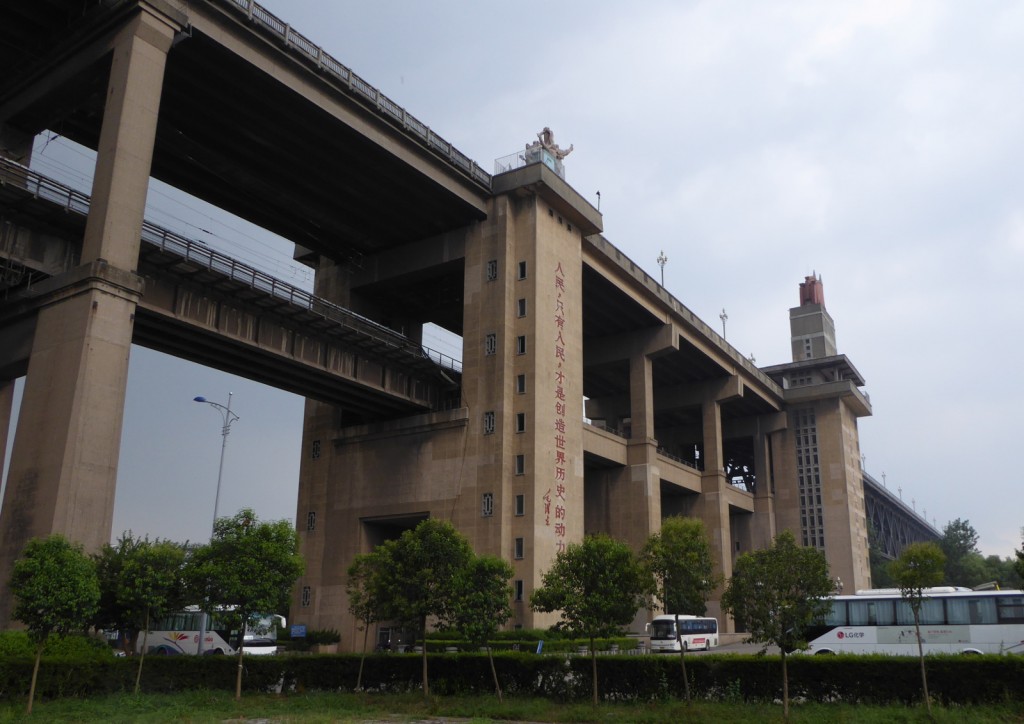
pixel 662 261
pixel 228 417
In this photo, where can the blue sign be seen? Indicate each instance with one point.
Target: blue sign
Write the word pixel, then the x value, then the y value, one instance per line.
pixel 298 631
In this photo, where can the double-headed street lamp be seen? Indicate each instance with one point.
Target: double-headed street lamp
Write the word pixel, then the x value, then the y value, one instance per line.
pixel 228 417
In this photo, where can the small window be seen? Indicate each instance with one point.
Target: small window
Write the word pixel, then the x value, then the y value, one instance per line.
pixel 314 451
pixel 520 384
pixel 311 521
pixel 518 552
pixel 306 596
pixel 519 589
pixel 492 270
pixel 490 343
pixel 520 504
pixel 489 422
pixel 520 464
pixel 522 270
pixel 520 422
pixel 521 308
pixel 487 505
pixel 521 344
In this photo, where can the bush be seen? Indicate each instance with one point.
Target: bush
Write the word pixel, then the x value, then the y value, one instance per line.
pixel 322 636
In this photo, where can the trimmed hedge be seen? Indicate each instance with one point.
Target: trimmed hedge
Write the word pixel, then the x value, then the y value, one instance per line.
pixel 952 680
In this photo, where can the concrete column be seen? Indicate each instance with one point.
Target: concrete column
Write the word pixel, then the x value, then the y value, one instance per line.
pixel 641 398
pixel 6 407
pixel 126 141
pixel 714 506
pixel 64 463
pixel 763 528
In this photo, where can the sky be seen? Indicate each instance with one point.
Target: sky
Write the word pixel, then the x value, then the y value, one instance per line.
pixel 877 144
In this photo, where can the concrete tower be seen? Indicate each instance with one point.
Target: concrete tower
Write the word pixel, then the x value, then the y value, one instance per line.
pixel 820 491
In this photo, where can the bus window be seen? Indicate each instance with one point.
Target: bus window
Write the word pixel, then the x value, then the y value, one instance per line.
pixel 1011 609
pixel 837 615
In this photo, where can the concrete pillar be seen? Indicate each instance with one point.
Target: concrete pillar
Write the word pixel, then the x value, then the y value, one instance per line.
pixel 6 408
pixel 634 496
pixel 763 524
pixel 64 463
pixel 714 506
pixel 126 141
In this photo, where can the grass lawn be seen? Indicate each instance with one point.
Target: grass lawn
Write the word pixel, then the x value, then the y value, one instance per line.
pixel 319 707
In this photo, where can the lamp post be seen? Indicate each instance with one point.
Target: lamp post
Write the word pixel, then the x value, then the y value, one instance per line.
pixel 228 417
pixel 662 261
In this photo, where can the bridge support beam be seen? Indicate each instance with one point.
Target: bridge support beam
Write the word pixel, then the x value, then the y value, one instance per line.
pixel 64 463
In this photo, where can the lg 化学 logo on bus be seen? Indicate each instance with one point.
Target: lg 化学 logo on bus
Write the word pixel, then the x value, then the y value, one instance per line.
pixel 850 635
pixel 840 635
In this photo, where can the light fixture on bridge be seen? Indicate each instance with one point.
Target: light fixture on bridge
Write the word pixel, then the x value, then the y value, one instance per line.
pixel 228 417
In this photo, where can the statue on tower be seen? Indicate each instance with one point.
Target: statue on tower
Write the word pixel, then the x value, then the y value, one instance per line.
pixel 546 140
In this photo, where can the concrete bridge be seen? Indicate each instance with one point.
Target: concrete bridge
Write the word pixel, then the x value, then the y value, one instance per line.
pixel 589 399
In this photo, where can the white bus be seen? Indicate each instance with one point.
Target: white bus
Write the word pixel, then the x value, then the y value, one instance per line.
pixel 695 633
pixel 953 620
pixel 178 633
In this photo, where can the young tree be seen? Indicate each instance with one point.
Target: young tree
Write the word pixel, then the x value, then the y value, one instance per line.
pixel 919 566
pixel 417 575
pixel 139 580
pixel 365 600
pixel 480 603
pixel 964 563
pixel 56 589
pixel 597 586
pixel 1019 564
pixel 776 594
pixel 679 559
pixel 247 570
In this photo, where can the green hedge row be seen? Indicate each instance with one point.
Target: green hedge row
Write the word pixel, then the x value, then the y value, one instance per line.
pixel 952 680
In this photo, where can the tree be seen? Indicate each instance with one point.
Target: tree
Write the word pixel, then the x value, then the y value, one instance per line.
pixel 247 570
pixel 480 603
pixel 597 586
pixel 679 560
pixel 964 563
pixel 919 566
pixel 776 594
pixel 139 581
pixel 56 589
pixel 417 574
pixel 365 600
pixel 1020 557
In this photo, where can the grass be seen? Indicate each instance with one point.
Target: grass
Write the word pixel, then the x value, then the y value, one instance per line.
pixel 212 706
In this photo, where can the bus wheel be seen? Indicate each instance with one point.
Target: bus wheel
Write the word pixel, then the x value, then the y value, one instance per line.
pixel 824 652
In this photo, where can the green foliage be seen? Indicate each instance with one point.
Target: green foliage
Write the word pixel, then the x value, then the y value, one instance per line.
pixel 597 586
pixel 322 636
pixel 247 570
pixel 480 601
pixel 14 644
pixel 679 559
pixel 776 593
pixel 56 588
pixel 1019 564
pixel 140 580
pixel 919 566
pixel 415 573
pixel 964 565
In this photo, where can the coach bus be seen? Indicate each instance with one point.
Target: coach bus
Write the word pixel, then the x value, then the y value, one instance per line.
pixel 953 620
pixel 178 633
pixel 695 633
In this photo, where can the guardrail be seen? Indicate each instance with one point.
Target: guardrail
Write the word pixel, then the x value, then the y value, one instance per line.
pixel 315 54
pixel 199 253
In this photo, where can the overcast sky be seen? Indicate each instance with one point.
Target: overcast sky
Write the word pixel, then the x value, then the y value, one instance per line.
pixel 877 144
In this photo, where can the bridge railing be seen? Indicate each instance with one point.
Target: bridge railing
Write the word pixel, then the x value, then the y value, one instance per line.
pixel 198 253
pixel 294 40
